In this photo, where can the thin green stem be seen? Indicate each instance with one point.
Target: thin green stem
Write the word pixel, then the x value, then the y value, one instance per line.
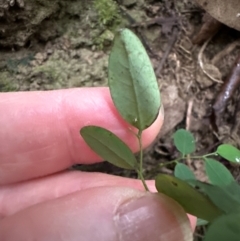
pixel 185 157
pixel 211 154
pixel 171 162
pixel 139 137
pixel 140 170
pixel 143 180
pixel 204 156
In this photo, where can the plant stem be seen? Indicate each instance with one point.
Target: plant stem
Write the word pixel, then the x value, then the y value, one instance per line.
pixel 140 170
pixel 139 137
pixel 185 157
pixel 204 156
pixel 143 180
pixel 171 162
pixel 211 154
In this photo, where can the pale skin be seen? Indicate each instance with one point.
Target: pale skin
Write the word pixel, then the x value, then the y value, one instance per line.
pixel 41 200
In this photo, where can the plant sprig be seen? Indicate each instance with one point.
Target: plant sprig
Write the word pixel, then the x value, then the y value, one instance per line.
pixel 135 94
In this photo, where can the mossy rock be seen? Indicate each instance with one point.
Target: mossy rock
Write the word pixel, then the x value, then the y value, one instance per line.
pixel 21 20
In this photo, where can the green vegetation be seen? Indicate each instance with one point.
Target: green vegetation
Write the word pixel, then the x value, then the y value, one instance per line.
pixel 134 91
pixel 108 12
pixel 7 83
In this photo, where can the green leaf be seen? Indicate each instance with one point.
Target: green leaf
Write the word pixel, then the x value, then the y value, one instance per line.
pixel 201 222
pixel 229 152
pixel 109 147
pixel 132 81
pixel 226 227
pixel 191 200
pixel 184 141
pixel 226 198
pixel 183 172
pixel 217 173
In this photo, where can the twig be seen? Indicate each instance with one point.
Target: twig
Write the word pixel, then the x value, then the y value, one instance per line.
pixel 168 50
pixel 236 115
pixel 189 114
pixel 209 28
pixel 133 23
pixel 159 21
pixel 202 65
pixel 227 50
pixel 188 120
pixel 226 92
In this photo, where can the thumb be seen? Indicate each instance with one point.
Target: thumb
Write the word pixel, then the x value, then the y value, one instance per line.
pixel 103 214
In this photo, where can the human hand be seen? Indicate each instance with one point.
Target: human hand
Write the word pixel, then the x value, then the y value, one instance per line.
pixel 40 200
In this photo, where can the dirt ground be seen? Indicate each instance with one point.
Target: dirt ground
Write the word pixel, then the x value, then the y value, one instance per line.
pixel 71 49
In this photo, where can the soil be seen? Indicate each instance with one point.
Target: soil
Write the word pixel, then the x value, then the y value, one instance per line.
pixel 68 41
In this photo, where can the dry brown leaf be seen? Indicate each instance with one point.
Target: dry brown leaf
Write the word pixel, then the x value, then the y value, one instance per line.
pixel 227 12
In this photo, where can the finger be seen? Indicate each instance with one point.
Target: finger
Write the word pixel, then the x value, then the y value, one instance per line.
pixel 40 133
pixel 15 197
pixel 103 214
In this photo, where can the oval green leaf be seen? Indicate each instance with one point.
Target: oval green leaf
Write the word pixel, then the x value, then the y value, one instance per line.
pixel 201 222
pixel 108 146
pixel 226 198
pixel 224 228
pixel 132 81
pixel 217 173
pixel 184 141
pixel 191 200
pixel 183 172
pixel 229 152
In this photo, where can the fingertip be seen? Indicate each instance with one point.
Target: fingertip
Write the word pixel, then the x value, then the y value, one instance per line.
pixel 150 134
pixel 114 213
pixel 193 221
pixel 153 217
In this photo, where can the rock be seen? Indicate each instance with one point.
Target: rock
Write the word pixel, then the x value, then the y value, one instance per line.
pixel 227 12
pixel 22 20
pixel 174 109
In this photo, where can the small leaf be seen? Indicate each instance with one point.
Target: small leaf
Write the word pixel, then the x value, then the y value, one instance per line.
pixel 229 152
pixel 217 173
pixel 183 172
pixel 132 81
pixel 226 227
pixel 191 200
pixel 226 198
pixel 109 147
pixel 184 141
pixel 201 222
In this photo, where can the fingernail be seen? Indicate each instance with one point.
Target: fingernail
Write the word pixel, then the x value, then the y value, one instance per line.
pixel 151 217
